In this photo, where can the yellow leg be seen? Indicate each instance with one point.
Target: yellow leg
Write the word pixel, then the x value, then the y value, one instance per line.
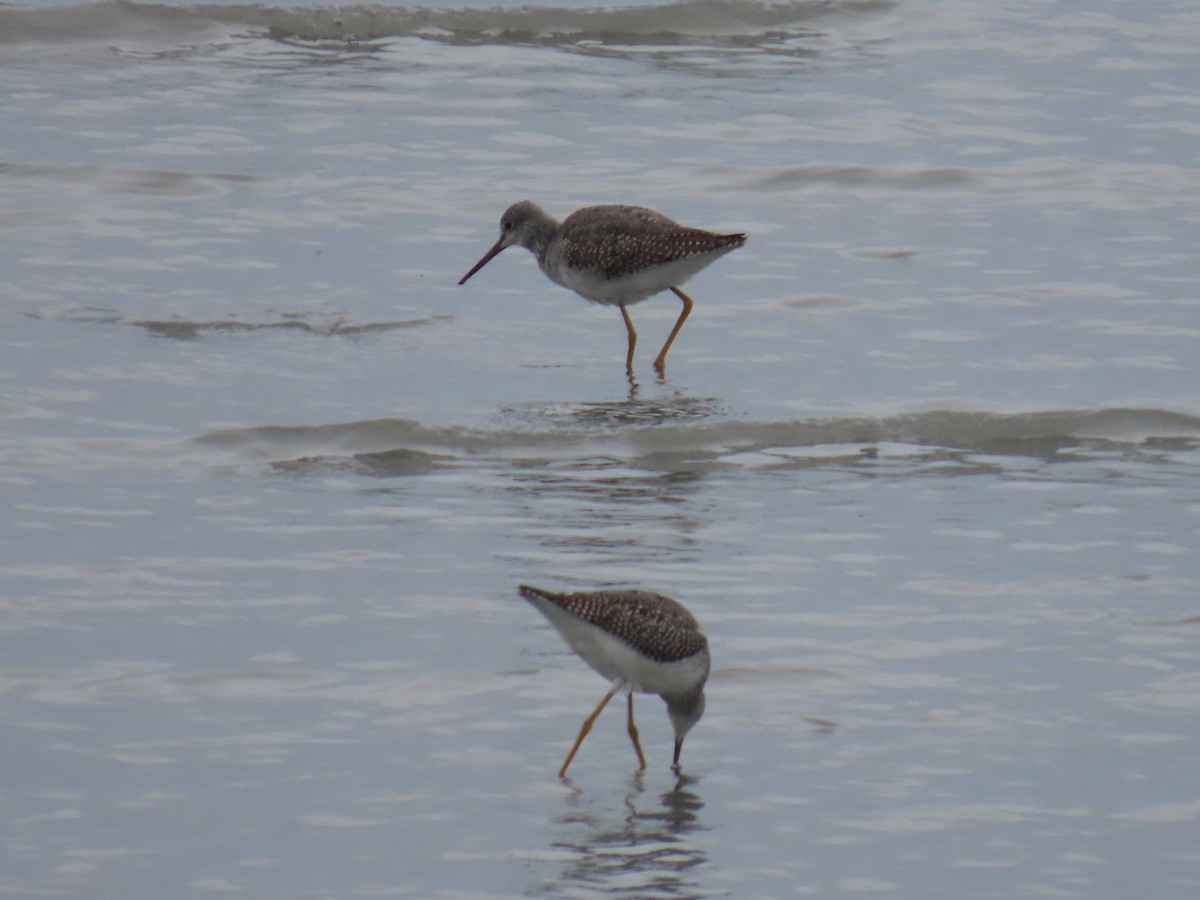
pixel 587 726
pixel 661 362
pixel 633 735
pixel 632 337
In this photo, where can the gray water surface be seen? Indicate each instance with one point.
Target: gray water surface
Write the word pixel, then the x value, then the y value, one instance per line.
pixel 925 462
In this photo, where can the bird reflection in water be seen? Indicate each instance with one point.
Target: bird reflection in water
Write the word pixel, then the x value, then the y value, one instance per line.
pixel 647 852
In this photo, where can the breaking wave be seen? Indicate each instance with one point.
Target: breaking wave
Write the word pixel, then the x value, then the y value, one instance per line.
pixel 672 439
pixel 722 22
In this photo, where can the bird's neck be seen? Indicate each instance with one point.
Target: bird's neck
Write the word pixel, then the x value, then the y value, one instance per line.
pixel 541 235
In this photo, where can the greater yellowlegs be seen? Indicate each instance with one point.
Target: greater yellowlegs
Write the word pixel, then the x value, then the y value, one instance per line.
pixel 640 641
pixel 615 255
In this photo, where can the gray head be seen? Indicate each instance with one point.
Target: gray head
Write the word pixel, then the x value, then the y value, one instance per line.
pixel 683 716
pixel 523 223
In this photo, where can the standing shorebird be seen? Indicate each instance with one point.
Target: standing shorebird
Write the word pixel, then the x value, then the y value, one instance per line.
pixel 641 642
pixel 615 255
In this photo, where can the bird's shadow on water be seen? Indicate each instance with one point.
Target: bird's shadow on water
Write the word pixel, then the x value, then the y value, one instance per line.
pixel 640 850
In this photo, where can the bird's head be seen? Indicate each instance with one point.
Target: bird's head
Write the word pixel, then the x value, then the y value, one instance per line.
pixel 683 716
pixel 523 223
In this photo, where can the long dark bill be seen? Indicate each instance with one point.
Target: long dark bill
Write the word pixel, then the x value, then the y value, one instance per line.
pixel 487 257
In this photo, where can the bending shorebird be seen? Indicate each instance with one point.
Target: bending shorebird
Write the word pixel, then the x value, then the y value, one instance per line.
pixel 615 255
pixel 641 642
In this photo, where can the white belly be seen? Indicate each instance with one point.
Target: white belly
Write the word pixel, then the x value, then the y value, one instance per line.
pixel 615 659
pixel 629 288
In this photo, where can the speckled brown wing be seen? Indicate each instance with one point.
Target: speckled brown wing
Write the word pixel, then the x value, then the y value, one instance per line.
pixel 617 241
pixel 654 625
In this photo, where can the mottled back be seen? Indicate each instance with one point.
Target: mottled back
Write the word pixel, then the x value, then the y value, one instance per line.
pixel 654 625
pixel 618 241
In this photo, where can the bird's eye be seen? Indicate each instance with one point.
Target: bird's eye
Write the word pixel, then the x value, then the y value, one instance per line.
pixel 506 226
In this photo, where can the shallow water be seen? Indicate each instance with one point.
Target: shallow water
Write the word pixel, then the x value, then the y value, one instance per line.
pixel 924 461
